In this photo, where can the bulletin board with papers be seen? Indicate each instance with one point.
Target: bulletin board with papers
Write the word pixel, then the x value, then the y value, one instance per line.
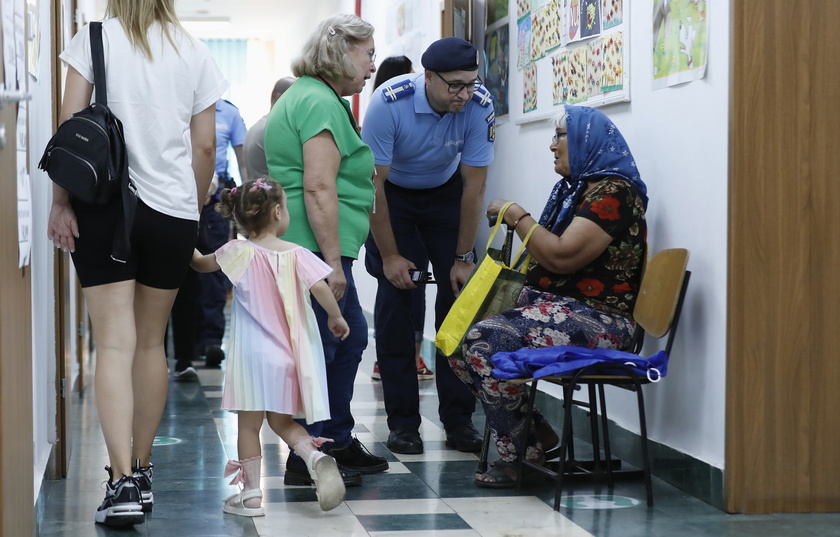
pixel 570 52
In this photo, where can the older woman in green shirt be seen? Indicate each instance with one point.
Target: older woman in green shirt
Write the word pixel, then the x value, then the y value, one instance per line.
pixel 314 150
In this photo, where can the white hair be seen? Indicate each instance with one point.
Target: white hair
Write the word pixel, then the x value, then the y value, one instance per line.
pixel 326 51
pixel 560 119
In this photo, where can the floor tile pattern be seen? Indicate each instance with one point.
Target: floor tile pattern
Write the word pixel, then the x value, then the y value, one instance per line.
pixel 420 495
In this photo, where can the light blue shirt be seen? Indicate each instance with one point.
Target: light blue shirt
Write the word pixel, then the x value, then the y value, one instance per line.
pixel 230 129
pixel 422 148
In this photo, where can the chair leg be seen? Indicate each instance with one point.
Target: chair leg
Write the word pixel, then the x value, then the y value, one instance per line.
pixel 565 442
pixel 593 426
pixel 606 433
pixel 529 416
pixel 645 457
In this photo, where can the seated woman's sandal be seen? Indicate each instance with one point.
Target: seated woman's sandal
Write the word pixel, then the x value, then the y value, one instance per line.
pixel 503 475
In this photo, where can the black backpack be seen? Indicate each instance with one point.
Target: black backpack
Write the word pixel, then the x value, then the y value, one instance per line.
pixel 87 155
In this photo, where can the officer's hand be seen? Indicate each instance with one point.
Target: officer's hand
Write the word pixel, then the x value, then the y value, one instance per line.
pixel 396 269
pixel 459 274
pixel 337 281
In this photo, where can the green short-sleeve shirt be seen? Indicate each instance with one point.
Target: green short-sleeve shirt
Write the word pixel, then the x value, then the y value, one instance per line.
pixel 306 109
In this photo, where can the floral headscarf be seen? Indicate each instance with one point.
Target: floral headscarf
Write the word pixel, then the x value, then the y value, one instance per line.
pixel 596 150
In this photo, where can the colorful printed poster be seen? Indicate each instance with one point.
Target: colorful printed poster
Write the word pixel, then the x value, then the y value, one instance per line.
pixel 613 78
pixel 496 11
pixel 538 4
pixel 573 18
pixel 594 67
pixel 680 41
pixel 612 13
pixel 496 48
pixel 577 75
pixel 523 42
pixel 537 35
pixel 590 18
pixel 563 5
pixel 545 30
pixel 523 9
pixel 529 88
pixel 559 69
pixel 554 18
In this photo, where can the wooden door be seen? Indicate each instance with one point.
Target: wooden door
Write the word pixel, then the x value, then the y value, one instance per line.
pixel 783 362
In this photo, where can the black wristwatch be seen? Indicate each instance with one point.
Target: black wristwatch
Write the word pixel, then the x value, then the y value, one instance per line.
pixel 468 257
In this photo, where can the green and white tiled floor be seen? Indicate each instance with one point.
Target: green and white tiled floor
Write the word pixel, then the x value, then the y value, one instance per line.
pixel 420 495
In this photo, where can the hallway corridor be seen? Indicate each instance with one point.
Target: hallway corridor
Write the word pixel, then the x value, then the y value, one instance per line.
pixel 420 495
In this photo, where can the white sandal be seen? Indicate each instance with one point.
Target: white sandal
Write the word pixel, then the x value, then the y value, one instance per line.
pixel 235 503
pixel 329 485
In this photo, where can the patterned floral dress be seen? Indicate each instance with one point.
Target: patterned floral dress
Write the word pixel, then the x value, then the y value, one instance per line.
pixel 588 308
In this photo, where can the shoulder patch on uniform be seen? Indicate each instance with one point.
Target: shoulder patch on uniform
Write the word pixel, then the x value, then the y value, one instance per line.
pixel 398 90
pixel 482 96
pixel 491 117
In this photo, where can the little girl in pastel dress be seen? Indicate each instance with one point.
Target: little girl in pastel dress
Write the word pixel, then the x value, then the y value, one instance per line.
pixel 275 365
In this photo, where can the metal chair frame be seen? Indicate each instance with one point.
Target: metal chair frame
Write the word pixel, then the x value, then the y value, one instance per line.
pixel 592 378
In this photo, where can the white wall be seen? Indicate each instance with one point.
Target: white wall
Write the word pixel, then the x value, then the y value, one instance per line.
pixel 679 138
pixel 42 260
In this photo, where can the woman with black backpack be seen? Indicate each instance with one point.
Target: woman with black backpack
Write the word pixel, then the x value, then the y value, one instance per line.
pixel 163 85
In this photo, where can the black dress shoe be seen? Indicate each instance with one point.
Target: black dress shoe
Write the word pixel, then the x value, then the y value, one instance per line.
pixel 298 475
pixel 464 438
pixel 405 441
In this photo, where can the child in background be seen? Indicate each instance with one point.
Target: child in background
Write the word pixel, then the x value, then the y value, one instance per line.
pixel 275 366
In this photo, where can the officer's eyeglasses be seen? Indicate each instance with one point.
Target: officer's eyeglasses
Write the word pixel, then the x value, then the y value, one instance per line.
pixel 457 88
pixel 371 53
pixel 557 136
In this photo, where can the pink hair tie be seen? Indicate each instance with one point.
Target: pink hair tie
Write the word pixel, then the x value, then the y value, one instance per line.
pixel 260 184
pixel 233 190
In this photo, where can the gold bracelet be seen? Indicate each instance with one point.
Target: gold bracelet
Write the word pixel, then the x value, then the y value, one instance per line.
pixel 516 222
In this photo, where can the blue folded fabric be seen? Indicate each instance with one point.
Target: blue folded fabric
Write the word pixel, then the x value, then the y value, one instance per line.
pixel 566 360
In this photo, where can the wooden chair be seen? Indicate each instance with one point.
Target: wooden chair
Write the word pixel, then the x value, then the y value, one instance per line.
pixel 657 313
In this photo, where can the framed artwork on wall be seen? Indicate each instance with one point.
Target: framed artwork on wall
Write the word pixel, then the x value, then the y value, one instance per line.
pixel 457 19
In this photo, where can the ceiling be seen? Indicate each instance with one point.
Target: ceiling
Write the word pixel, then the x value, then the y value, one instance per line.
pixel 259 19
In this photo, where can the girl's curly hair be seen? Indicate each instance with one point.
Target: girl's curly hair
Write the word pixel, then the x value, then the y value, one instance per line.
pixel 251 204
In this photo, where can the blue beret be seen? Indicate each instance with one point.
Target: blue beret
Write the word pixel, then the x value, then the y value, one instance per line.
pixel 450 54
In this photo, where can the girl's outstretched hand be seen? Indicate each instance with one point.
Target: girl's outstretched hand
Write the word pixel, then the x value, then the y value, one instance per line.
pixel 338 326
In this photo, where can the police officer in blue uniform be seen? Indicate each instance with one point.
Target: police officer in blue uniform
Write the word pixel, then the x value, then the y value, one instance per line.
pixel 432 138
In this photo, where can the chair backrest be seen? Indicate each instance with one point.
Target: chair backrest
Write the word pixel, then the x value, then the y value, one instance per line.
pixel 662 291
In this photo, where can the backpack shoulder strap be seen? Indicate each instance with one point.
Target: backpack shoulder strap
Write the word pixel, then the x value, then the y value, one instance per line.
pixel 98 56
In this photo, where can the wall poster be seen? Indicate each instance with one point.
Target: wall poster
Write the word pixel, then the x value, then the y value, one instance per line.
pixel 680 41
pixel 496 65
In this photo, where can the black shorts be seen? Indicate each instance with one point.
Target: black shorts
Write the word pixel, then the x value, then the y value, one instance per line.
pixel 161 246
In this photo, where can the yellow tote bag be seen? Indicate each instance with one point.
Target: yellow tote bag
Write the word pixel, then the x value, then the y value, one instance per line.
pixel 493 287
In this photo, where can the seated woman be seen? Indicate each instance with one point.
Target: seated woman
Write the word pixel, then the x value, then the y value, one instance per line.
pixel 581 285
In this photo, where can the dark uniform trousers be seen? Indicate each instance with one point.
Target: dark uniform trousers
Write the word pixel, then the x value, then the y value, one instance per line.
pixel 214 232
pixel 434 215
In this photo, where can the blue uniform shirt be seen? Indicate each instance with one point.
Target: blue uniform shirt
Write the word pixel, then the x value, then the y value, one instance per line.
pixel 423 148
pixel 230 129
